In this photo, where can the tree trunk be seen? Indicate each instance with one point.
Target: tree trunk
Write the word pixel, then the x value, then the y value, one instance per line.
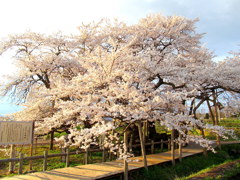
pixel 211 112
pixel 142 144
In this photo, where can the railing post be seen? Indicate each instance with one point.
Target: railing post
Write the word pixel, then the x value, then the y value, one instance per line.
pixel 45 160
pixel 67 157
pixel 63 158
pixel 152 146
pixel 20 169
pixel 161 145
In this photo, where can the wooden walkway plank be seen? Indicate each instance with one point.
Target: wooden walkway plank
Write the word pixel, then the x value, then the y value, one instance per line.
pixel 105 169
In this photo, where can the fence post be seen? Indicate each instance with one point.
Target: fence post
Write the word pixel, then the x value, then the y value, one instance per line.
pixel 161 145
pixel 152 146
pixel 45 160
pixel 12 155
pixel 67 157
pixel 20 169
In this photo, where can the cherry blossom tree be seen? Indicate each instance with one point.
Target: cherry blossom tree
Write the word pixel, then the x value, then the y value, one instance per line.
pixel 114 75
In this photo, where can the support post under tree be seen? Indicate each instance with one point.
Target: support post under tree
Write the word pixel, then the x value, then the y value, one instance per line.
pixel 67 157
pixel 125 159
pixel 103 154
pixel 139 124
pixel 86 157
pixel 180 147
pixel 172 147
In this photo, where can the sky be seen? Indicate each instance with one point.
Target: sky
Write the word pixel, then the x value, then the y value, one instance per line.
pixel 219 19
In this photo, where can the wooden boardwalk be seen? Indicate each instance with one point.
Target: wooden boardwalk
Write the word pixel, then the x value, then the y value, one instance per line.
pixel 105 169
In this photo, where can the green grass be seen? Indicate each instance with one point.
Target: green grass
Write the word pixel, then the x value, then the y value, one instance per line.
pixel 228 123
pixel 53 163
pixel 188 165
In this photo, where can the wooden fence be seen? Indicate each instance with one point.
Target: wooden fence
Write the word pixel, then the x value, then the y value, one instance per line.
pixel 67 154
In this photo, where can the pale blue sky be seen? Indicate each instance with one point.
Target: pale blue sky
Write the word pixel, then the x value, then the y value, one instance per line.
pixel 219 19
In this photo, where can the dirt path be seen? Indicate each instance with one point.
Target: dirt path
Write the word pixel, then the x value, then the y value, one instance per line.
pixel 217 171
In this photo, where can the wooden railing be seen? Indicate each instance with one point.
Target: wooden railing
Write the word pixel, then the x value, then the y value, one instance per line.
pixel 67 154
